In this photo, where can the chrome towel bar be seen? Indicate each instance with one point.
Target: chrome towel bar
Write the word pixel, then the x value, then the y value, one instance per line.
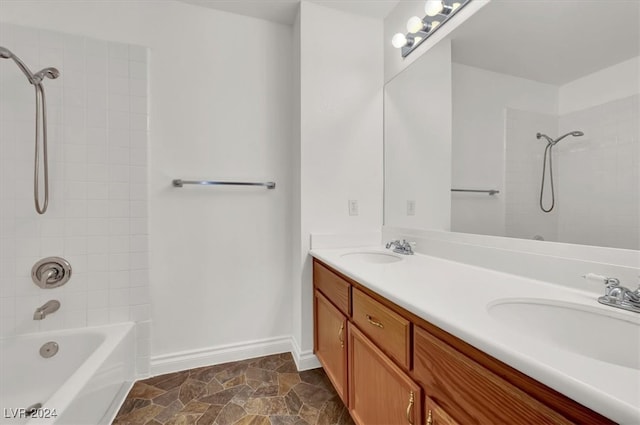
pixel 489 191
pixel 180 183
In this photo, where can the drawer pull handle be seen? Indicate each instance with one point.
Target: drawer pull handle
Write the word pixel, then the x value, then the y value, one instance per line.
pixel 410 408
pixel 429 418
pixel 340 337
pixel 374 322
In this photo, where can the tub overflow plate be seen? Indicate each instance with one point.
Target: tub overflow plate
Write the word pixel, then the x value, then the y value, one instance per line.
pixel 49 349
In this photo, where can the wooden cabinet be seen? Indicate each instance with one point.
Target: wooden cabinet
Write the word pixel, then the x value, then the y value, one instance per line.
pixel 379 391
pixel 335 288
pixel 390 331
pixel 331 343
pixel 470 393
pixel 392 357
pixel 435 415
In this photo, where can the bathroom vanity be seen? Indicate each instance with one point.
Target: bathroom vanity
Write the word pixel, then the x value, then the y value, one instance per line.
pixel 402 351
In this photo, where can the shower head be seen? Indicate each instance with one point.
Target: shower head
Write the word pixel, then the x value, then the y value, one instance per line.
pixel 571 133
pixel 553 142
pixel 51 73
pixel 5 53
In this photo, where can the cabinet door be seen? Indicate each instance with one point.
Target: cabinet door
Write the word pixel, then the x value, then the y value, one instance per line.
pixel 470 393
pixel 331 343
pixel 380 393
pixel 435 415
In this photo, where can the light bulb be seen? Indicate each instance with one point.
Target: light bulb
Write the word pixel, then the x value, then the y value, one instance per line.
pixel 434 24
pixel 414 24
pixel 417 40
pixel 399 40
pixel 455 5
pixel 433 7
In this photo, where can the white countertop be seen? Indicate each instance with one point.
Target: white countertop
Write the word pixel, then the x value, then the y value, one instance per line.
pixel 455 297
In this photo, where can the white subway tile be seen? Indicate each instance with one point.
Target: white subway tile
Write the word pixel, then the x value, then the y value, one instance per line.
pixel 98 316
pixel 97 217
pixel 118 51
pixel 98 299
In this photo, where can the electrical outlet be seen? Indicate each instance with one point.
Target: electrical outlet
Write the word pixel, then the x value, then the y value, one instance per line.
pixel 411 207
pixel 353 207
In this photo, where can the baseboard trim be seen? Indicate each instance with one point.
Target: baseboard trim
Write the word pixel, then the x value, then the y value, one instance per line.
pixel 304 360
pixel 174 362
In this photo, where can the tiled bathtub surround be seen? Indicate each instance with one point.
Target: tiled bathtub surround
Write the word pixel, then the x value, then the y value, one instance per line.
pixel 262 391
pixel 596 178
pixel 97 217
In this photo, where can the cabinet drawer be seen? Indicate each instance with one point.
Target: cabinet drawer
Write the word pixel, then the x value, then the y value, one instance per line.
pixel 470 393
pixel 389 330
pixel 335 288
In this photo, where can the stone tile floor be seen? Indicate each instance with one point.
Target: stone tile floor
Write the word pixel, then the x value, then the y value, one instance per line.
pixel 264 391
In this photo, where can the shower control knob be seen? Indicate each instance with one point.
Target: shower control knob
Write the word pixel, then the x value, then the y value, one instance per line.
pixel 51 272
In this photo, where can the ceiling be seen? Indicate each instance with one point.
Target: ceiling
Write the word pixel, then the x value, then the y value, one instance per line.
pixel 549 41
pixel 284 11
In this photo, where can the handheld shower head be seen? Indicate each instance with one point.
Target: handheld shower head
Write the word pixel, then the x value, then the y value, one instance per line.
pixel 51 73
pixel 571 133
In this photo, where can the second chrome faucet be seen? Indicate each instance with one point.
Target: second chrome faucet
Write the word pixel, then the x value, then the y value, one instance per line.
pixel 403 247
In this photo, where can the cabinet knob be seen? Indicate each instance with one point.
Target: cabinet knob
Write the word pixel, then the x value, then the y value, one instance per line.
pixel 429 418
pixel 340 335
pixel 410 408
pixel 374 322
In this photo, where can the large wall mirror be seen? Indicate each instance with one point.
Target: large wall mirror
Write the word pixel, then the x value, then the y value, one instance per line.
pixel 521 90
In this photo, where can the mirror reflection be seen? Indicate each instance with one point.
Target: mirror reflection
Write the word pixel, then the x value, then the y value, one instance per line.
pixel 529 112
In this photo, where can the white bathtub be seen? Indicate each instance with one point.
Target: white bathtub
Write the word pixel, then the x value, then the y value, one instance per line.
pixel 84 383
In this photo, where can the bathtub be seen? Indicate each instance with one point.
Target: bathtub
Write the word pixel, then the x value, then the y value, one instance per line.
pixel 84 383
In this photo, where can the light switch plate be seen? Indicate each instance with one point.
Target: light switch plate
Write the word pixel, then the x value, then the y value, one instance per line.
pixel 411 207
pixel 353 207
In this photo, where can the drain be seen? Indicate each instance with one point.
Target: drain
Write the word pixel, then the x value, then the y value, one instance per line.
pixel 33 409
pixel 49 349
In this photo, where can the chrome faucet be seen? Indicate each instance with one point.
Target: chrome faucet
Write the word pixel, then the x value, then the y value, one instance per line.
pixel 48 308
pixel 618 296
pixel 403 247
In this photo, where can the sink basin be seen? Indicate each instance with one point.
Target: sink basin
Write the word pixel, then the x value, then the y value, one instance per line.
pixel 374 257
pixel 591 332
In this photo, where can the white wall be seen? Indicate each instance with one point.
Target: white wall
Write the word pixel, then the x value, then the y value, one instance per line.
pixel 611 83
pixel 97 215
pixel 220 108
pixel 341 135
pixel 417 148
pixel 480 98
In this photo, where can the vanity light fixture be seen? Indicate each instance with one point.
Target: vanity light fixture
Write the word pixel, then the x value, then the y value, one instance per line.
pixel 437 13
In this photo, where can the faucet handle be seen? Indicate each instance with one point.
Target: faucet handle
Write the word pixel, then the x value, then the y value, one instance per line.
pixel 392 243
pixel 608 281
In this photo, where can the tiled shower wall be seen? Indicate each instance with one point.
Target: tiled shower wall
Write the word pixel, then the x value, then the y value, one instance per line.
pixel 523 170
pixel 596 175
pixel 97 217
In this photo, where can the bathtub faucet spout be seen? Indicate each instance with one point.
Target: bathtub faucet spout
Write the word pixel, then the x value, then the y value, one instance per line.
pixel 48 308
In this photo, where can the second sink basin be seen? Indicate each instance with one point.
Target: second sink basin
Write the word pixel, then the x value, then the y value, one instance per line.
pixel 590 332
pixel 375 257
